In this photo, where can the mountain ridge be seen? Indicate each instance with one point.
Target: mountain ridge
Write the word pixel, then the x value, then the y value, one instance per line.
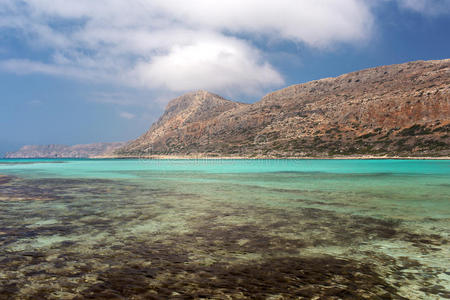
pixel 400 110
pixel 396 110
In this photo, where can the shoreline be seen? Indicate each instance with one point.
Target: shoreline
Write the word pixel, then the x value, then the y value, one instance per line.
pixel 205 157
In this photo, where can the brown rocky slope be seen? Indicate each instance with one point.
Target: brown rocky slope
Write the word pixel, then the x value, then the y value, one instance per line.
pixel 397 110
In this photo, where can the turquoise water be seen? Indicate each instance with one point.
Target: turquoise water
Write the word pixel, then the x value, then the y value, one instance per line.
pixel 264 229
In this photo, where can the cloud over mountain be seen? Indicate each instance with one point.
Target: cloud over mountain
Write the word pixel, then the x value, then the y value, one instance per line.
pixel 173 45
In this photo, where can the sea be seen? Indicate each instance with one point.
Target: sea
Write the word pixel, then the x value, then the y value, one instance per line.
pixel 224 229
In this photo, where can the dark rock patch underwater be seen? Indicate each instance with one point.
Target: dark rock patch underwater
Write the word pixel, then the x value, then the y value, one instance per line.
pixel 84 241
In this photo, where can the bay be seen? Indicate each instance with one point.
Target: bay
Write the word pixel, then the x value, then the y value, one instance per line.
pixel 220 228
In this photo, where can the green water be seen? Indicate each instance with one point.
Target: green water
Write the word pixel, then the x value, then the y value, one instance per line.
pixel 225 229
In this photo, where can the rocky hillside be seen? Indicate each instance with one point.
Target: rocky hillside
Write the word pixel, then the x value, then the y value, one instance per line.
pixel 393 110
pixel 183 119
pixel 56 151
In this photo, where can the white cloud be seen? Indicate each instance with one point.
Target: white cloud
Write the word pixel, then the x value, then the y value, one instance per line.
pixel 127 115
pixel 119 98
pixel 427 7
pixel 81 72
pixel 24 66
pixel 214 64
pixel 175 46
pixel 317 23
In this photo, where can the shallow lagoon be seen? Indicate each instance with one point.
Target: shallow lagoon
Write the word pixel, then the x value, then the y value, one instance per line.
pixel 261 229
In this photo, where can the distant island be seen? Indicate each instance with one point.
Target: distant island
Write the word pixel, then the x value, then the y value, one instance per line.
pixel 64 151
pixel 390 111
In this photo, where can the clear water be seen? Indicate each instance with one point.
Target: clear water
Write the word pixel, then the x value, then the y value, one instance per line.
pixel 264 229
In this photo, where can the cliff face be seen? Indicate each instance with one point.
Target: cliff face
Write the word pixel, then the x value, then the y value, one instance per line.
pixel 394 110
pixel 183 122
pixel 63 151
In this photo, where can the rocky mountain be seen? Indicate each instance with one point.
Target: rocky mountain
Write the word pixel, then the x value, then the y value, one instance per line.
pixel 58 151
pixel 397 110
pixel 183 120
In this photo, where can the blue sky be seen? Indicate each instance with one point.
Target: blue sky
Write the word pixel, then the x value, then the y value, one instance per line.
pixel 83 71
